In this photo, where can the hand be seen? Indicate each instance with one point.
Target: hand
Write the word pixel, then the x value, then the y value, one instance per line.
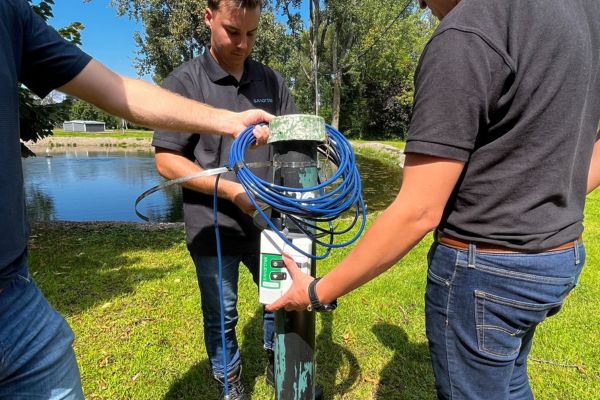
pixel 237 122
pixel 261 134
pixel 242 201
pixel 296 298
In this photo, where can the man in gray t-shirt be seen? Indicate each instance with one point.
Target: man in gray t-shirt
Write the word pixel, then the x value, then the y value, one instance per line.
pixel 499 161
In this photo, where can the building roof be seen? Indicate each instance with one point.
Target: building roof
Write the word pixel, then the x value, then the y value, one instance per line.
pixel 84 122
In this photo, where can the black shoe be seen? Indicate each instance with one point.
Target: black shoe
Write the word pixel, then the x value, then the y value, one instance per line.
pixel 236 388
pixel 271 368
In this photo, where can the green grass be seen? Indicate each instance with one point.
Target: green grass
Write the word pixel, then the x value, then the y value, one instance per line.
pixel 132 299
pixel 117 134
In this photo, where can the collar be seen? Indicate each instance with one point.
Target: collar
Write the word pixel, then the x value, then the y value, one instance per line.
pixel 216 73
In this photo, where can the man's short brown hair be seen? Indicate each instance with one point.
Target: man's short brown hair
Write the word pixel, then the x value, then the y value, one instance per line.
pixel 215 4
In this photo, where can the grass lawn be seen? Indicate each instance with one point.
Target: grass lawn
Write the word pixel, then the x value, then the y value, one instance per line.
pixel 117 134
pixel 132 299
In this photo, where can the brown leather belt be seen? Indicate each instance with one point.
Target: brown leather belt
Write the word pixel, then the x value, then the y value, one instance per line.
pixel 493 248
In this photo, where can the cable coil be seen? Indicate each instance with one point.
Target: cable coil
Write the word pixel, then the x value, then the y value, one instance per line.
pixel 336 194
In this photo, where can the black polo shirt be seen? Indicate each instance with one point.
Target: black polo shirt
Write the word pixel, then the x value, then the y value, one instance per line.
pixel 204 80
pixel 512 88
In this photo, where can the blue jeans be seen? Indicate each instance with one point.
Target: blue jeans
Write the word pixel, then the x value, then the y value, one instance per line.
pixel 36 357
pixel 208 281
pixel 482 310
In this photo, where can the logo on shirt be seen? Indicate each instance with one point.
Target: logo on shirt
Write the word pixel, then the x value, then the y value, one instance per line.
pixel 265 100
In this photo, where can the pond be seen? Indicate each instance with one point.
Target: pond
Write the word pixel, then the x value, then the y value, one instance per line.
pixel 84 185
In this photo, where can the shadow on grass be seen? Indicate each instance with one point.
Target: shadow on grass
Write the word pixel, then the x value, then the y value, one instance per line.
pixel 198 383
pixel 78 266
pixel 332 358
pixel 408 375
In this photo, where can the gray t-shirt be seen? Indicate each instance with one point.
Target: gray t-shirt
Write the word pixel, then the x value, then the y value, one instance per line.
pixel 512 88
pixel 204 80
pixel 31 53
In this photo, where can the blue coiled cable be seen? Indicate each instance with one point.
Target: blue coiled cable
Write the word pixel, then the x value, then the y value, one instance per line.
pixel 337 194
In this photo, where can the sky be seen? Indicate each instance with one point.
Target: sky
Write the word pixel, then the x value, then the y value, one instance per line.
pixel 106 37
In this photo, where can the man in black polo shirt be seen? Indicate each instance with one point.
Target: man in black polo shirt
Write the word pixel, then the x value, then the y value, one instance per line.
pixel 36 357
pixel 224 77
pixel 499 160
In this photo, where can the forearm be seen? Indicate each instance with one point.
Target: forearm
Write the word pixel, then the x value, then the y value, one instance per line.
pixel 392 235
pixel 149 105
pixel 418 209
pixel 173 166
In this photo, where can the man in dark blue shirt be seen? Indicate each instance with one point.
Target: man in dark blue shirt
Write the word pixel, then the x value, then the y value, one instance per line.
pixel 35 342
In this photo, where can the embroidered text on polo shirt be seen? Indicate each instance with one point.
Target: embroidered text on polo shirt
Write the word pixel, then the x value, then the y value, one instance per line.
pixel 262 101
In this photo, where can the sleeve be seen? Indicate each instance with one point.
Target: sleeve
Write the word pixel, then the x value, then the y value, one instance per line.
pixel 458 80
pixel 49 61
pixel 182 142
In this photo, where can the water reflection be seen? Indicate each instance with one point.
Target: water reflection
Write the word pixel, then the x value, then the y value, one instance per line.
pixel 84 185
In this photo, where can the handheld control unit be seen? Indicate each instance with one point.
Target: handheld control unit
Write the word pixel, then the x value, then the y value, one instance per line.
pixel 275 279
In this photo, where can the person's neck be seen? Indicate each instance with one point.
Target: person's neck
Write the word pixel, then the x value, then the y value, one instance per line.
pixel 235 71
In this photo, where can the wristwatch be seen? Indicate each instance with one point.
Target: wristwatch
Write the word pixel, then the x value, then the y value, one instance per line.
pixel 315 304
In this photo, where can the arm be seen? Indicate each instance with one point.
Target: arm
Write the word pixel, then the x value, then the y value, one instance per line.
pixel 171 165
pixel 594 172
pixel 149 105
pixel 417 210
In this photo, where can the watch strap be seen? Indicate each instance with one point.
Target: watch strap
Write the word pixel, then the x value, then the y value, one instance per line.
pixel 315 303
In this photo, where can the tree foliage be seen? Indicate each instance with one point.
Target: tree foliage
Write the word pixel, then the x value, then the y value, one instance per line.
pixel 350 61
pixel 366 54
pixel 81 110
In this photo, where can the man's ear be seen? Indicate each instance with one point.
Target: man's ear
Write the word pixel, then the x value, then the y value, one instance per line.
pixel 208 17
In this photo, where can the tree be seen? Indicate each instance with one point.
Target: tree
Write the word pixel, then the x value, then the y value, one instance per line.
pixel 356 57
pixel 350 61
pixel 37 119
pixel 311 41
pixel 388 67
pixel 82 110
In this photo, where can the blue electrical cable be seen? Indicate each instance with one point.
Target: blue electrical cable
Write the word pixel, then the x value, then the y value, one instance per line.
pixel 221 302
pixel 337 194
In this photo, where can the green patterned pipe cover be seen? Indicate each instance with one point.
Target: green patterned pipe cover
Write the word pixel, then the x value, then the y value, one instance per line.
pixel 297 127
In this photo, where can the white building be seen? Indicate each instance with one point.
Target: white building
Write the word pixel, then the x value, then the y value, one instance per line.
pixel 84 126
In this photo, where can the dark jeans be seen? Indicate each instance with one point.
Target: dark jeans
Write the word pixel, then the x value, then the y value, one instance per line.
pixel 36 357
pixel 482 310
pixel 208 281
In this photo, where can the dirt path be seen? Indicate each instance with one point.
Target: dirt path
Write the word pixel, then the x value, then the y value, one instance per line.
pixel 88 142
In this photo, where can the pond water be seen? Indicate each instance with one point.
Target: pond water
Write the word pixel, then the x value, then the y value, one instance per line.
pixel 82 185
